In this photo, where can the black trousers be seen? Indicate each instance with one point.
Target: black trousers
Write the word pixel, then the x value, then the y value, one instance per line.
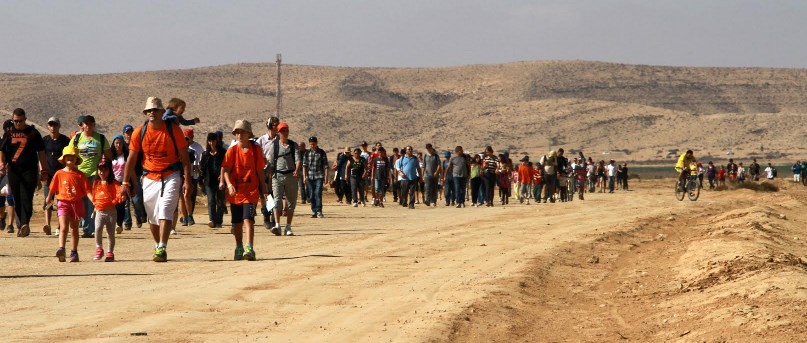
pixel 489 182
pixel 408 189
pixel 430 186
pixel 22 185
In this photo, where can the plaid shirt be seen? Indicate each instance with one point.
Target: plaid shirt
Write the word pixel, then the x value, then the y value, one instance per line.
pixel 315 162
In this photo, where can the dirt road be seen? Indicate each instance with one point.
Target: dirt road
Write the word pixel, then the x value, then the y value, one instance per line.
pixel 358 275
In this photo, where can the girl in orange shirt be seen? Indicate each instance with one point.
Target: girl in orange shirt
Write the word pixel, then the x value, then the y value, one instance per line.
pixel 69 186
pixel 105 195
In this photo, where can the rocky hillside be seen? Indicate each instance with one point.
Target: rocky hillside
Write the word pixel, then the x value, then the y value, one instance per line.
pixel 626 112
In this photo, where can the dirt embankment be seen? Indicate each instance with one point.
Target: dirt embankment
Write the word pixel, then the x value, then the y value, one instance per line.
pixel 730 268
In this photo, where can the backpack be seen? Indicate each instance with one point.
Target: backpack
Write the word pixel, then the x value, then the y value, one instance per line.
pixel 322 158
pixel 292 149
pixel 177 166
pixel 775 172
pixel 78 136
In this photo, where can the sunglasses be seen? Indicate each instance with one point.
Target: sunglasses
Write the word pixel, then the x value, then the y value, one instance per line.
pixel 19 121
pixel 152 110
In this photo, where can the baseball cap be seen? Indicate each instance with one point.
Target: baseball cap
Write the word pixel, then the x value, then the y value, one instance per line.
pixel 312 139
pixel 127 128
pixel 188 132
pixel 282 125
pixel 54 120
pixel 87 119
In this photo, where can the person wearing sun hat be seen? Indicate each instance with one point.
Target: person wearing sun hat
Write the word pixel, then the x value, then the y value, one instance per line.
pixel 242 168
pixel 22 158
pixel 167 170
pixel 69 187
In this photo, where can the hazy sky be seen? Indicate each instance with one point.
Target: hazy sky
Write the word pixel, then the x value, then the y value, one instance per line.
pixel 114 36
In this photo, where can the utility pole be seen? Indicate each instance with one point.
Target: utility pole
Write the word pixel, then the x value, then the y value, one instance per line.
pixel 278 94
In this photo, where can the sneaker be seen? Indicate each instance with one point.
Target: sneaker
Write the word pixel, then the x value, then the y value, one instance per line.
pixel 363 204
pixel 276 230
pixel 139 224
pixel 2 223
pixel 183 221
pixel 319 214
pixel 459 206
pixel 355 204
pixel 99 252
pixel 314 215
pixel 110 257
pixel 127 227
pixel 211 225
pixel 249 254
pixel 190 221
pixel 60 254
pixel 381 204
pixel 288 232
pixel 46 229
pixel 74 256
pixel 119 229
pixel 267 223
pixel 24 231
pixel 239 253
pixel 174 232
pixel 87 235
pixel 160 255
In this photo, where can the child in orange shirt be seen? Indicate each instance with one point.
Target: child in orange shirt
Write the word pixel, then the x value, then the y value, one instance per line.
pixel 524 179
pixel 243 174
pixel 69 186
pixel 105 195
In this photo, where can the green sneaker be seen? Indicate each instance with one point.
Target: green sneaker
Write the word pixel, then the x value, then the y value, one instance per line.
pixel 160 255
pixel 249 254
pixel 239 253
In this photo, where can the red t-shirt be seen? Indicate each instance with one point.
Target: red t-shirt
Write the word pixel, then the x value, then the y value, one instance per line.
pixel 104 196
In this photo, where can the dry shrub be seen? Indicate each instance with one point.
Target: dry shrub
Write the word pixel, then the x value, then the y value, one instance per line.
pixel 754 186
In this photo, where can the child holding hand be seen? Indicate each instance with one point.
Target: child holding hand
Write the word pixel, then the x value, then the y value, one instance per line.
pixel 69 186
pixel 105 195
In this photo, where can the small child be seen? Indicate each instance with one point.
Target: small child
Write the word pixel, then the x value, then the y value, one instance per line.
pixel 174 110
pixel 105 196
pixel 69 186
pixel 243 174
pixel 525 179
pixel 537 181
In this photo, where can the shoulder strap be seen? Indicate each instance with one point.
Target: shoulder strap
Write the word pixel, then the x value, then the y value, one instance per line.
pixel 76 138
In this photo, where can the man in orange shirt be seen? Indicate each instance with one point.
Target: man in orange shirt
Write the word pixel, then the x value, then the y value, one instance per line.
pixel 166 164
pixel 243 173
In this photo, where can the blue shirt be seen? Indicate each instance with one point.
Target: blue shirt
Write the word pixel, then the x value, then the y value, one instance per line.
pixel 409 166
pixel 796 168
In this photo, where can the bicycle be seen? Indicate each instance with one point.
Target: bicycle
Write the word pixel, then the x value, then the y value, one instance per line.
pixel 691 188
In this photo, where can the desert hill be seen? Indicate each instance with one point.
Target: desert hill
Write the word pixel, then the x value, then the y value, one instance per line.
pixel 627 112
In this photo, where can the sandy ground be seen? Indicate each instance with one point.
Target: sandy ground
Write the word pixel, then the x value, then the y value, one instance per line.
pixel 373 275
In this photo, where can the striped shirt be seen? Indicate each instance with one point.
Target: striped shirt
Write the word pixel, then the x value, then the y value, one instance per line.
pixel 490 164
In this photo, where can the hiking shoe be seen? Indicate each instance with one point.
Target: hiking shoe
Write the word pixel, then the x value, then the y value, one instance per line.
pixel 160 255
pixel 99 252
pixel 249 254
pixel 60 254
pixel 24 231
pixel 74 256
pixel 288 232
pixel 276 230
pixel 190 221
pixel 211 225
pixel 46 229
pixel 119 229
pixel 239 253
pixel 110 257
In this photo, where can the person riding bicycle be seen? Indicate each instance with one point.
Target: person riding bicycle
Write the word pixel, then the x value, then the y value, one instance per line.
pixel 684 166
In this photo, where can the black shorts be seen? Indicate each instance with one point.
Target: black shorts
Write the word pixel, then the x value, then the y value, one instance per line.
pixel 241 212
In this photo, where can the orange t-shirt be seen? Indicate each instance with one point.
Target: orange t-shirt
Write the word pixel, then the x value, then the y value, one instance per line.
pixel 524 174
pixel 158 150
pixel 69 185
pixel 104 196
pixel 243 167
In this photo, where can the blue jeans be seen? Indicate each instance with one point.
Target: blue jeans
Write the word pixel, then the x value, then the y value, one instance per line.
pixel 127 217
pixel 459 189
pixel 137 202
pixel 88 223
pixel 449 190
pixel 315 191
pixel 611 184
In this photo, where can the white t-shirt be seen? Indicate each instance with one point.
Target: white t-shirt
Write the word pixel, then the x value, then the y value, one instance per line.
pixel 611 170
pixel 769 172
